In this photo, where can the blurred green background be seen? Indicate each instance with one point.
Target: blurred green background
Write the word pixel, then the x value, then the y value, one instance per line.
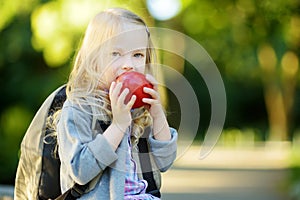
pixel 254 43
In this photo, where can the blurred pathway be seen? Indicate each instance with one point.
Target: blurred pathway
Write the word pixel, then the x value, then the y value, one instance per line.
pixel 229 174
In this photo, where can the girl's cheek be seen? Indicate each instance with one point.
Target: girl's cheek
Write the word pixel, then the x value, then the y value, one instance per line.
pixel 108 79
pixel 111 79
pixel 141 68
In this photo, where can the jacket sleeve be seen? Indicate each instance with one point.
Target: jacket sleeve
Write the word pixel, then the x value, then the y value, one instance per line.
pixel 84 153
pixel 164 152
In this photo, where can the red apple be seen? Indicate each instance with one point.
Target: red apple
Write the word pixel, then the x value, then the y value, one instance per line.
pixel 135 82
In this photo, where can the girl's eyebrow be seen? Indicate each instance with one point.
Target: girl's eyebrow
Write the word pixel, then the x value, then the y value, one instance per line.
pixel 139 49
pixel 116 48
pixel 120 49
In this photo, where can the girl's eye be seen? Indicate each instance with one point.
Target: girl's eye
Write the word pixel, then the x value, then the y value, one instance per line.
pixel 115 53
pixel 138 55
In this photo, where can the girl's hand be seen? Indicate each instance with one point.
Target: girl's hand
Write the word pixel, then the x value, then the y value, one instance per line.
pixel 160 124
pixel 156 109
pixel 120 110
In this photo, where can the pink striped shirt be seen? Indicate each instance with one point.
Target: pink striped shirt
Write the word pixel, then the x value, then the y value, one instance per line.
pixel 135 189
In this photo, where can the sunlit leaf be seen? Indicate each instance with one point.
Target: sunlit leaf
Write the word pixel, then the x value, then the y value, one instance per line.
pixel 9 9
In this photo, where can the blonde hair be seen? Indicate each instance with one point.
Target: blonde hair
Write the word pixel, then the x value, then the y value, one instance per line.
pixel 86 76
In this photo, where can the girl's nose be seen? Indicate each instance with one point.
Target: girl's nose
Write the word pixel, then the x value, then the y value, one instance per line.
pixel 127 67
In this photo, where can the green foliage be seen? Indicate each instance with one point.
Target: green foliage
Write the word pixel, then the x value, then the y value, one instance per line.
pixel 26 81
pixel 13 123
pixel 10 9
pixel 232 31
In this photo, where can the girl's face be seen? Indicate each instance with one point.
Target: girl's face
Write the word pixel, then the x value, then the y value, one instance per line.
pixel 127 53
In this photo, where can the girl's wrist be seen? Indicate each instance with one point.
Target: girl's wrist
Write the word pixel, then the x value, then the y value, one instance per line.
pixel 157 112
pixel 120 126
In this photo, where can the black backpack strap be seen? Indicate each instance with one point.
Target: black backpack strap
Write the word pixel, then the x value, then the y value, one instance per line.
pixel 146 166
pixel 50 162
pixel 74 193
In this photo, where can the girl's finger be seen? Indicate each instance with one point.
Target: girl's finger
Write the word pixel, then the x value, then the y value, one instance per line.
pixel 115 89
pixel 152 80
pixel 150 101
pixel 111 92
pixel 122 96
pixel 112 86
pixel 114 92
pixel 131 101
pixel 153 93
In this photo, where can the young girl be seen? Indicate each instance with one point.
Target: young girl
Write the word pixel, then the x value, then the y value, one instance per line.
pixel 98 133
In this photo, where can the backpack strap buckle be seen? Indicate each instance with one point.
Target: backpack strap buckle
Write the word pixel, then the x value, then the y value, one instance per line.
pixel 78 190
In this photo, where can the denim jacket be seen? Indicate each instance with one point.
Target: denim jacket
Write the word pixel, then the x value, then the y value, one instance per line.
pixel 85 153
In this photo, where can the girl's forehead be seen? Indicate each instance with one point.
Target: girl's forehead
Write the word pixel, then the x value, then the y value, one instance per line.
pixel 131 38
